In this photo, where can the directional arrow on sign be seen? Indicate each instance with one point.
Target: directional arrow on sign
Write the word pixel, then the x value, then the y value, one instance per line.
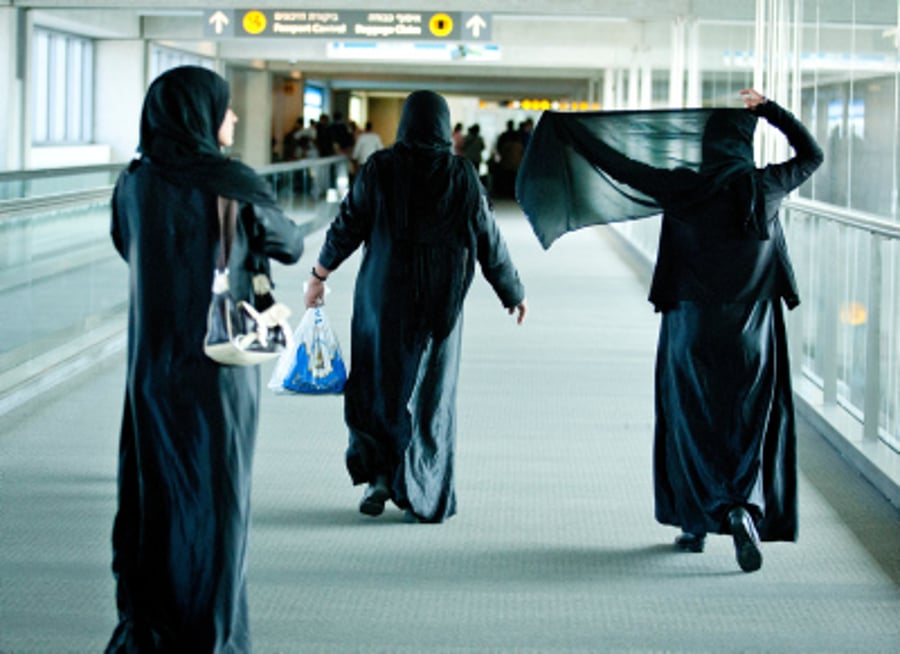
pixel 219 20
pixel 476 24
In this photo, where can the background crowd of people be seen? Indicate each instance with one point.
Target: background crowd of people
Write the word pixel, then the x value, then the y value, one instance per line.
pixel 331 135
pixel 502 161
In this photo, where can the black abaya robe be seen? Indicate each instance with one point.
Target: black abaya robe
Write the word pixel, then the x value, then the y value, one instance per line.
pixel 724 415
pixel 189 424
pixel 424 220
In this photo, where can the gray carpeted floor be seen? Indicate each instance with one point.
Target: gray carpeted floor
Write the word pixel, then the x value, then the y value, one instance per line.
pixel 554 548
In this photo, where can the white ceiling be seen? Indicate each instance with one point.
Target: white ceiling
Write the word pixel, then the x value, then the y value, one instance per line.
pixel 548 48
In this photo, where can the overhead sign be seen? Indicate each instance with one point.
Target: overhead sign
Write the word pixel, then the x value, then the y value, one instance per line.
pixel 328 24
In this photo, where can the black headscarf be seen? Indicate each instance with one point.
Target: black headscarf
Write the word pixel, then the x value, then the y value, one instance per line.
pixel 183 110
pixel 561 190
pixel 727 145
pixel 434 196
pixel 424 160
pixel 425 122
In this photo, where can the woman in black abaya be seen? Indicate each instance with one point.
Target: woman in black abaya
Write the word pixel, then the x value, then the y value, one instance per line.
pixel 424 220
pixel 189 424
pixel 725 453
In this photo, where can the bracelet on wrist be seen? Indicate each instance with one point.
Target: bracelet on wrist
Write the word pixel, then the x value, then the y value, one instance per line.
pixel 321 278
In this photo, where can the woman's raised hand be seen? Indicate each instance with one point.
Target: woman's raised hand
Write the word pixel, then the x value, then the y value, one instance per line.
pixel 752 98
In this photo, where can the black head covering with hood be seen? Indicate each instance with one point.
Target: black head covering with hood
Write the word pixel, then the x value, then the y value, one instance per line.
pixel 432 199
pixel 183 111
pixel 566 181
pixel 425 122
pixel 436 182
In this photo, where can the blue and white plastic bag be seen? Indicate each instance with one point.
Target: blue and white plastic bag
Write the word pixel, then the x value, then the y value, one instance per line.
pixel 314 365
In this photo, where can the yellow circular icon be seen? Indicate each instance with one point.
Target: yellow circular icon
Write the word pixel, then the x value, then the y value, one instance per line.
pixel 440 25
pixel 254 22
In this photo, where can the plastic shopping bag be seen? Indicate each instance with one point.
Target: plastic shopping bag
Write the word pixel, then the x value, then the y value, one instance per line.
pixel 315 364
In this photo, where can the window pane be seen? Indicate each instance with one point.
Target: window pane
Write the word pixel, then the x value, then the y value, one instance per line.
pixel 58 89
pixel 41 97
pixel 850 101
pixel 63 88
pixel 87 100
pixel 73 98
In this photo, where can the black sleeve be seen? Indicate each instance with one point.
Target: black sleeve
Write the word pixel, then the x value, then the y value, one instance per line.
pixel 353 224
pixel 116 226
pixel 493 257
pixel 274 234
pixel 808 156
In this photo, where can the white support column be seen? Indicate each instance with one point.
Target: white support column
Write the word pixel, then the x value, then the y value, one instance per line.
pixel 12 69
pixel 777 43
pixel 646 86
pixel 592 91
pixel 895 194
pixel 620 88
pixel 676 66
pixel 609 89
pixel 251 98
pixel 634 83
pixel 759 46
pixel 121 73
pixel 692 62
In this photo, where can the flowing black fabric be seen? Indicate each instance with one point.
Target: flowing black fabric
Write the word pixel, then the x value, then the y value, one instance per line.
pixel 568 179
pixel 724 416
pixel 424 221
pixel 721 240
pixel 725 419
pixel 189 425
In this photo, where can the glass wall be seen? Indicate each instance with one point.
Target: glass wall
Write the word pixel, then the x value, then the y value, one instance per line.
pixel 849 96
pixel 849 76
pixel 63 88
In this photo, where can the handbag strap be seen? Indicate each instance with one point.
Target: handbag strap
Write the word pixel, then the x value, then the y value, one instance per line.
pixel 227 225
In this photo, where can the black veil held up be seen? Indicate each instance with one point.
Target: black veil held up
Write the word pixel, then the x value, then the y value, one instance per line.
pixel 183 110
pixel 567 179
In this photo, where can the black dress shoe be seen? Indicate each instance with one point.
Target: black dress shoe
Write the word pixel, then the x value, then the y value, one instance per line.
pixel 689 542
pixel 746 540
pixel 373 499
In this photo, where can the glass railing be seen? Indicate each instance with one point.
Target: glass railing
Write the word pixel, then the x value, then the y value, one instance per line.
pixel 847 330
pixel 845 335
pixel 63 288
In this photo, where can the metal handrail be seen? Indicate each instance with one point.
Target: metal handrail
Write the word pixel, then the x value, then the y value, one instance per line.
pixel 12 209
pixel 289 166
pixel 71 171
pixel 42 173
pixel 851 217
pixel 15 208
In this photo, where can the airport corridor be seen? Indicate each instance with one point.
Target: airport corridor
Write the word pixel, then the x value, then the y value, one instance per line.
pixel 554 548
